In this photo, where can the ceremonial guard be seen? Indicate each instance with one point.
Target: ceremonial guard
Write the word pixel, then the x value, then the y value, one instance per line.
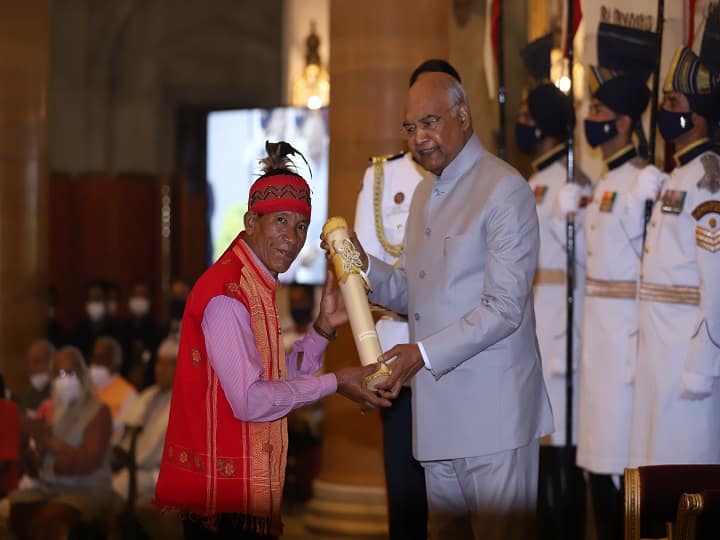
pixel 677 391
pixel 382 209
pixel 542 130
pixel 613 243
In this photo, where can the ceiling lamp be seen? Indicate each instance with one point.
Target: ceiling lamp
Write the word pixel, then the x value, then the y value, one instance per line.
pixel 312 87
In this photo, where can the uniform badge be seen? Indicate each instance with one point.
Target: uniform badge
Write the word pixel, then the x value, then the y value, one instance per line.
pixel 608 201
pixel 711 179
pixel 399 197
pixel 672 201
pixel 540 192
pixel 707 238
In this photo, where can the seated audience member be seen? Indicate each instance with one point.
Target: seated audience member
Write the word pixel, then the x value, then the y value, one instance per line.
pixel 74 479
pixel 140 337
pixel 149 412
pixel 97 320
pixel 9 443
pixel 37 362
pixel 112 389
pixel 33 400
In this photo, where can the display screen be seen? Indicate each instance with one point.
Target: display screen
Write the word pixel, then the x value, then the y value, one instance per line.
pixel 235 144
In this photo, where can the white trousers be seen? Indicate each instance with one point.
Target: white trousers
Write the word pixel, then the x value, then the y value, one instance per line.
pixel 490 497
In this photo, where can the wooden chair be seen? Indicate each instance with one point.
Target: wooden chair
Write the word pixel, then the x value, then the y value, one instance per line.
pixel 689 507
pixel 127 459
pixel 652 496
pixel 698 516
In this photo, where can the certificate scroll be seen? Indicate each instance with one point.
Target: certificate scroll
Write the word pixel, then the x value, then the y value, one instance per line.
pixel 353 287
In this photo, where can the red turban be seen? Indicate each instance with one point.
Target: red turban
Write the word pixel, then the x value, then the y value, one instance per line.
pixel 280 193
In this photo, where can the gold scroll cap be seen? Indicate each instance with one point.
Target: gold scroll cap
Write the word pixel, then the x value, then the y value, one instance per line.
pixel 333 224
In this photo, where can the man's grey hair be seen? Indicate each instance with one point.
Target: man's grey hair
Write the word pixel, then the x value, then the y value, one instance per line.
pixel 456 92
pixel 116 353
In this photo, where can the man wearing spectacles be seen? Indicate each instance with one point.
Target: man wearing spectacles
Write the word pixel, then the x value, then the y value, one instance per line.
pixel 382 210
pixel 470 253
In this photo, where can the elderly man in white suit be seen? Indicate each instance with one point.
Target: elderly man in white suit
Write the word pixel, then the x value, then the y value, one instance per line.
pixel 149 412
pixel 471 247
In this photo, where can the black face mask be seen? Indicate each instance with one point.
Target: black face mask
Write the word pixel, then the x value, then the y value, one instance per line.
pixel 176 308
pixel 301 316
pixel 598 132
pixel 673 124
pixel 527 137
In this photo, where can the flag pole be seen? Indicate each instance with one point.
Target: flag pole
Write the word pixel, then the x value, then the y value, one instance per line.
pixel 501 144
pixel 568 460
pixel 570 249
pixel 656 81
pixel 655 97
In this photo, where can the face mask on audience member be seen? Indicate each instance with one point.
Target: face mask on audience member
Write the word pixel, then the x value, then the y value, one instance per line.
pixel 39 380
pixel 95 310
pixel 99 375
pixel 66 389
pixel 139 306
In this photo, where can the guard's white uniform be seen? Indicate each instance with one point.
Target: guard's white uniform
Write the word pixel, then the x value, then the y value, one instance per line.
pixel 613 237
pixel 680 320
pixel 399 175
pixel 549 287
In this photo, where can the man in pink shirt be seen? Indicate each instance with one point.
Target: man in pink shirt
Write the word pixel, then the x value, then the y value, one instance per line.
pixel 225 452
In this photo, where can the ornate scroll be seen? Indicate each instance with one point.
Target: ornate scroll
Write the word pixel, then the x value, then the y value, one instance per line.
pixel 353 287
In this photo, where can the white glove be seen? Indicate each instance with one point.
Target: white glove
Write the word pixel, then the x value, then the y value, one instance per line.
pixel 695 386
pixel 568 198
pixel 648 183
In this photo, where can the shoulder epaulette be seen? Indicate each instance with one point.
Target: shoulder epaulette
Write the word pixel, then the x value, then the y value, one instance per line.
pixel 386 157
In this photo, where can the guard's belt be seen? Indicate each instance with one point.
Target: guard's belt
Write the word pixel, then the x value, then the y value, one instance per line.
pixel 672 294
pixel 549 276
pixel 610 289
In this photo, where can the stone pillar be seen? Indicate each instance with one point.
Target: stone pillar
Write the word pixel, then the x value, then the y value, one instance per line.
pixel 24 40
pixel 375 45
pixel 539 20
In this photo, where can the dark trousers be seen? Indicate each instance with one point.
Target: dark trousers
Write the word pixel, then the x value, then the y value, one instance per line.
pixel 404 477
pixel 608 504
pixel 561 495
pixel 228 527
